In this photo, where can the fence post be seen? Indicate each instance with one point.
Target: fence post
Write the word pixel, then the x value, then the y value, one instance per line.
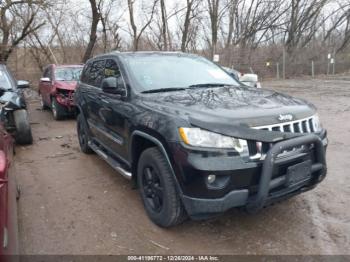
pixel 278 70
pixel 313 69
pixel 284 64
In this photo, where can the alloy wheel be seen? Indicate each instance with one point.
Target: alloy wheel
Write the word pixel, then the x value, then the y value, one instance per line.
pixel 152 188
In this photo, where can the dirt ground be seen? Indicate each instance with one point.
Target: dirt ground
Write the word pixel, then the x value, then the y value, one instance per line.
pixel 73 203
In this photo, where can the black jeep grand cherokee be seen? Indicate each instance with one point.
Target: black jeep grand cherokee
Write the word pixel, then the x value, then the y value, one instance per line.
pixel 194 140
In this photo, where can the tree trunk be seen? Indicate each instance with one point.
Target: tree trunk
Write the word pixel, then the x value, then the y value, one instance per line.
pixel 186 25
pixel 214 24
pixel 93 31
pixel 164 25
pixel 133 25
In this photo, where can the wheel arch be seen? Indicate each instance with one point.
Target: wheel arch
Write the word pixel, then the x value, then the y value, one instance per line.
pixel 147 141
pixel 80 111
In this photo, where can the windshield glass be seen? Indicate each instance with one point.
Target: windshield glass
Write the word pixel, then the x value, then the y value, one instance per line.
pixel 4 81
pixel 176 71
pixel 68 73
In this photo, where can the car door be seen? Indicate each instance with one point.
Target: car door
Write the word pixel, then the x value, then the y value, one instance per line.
pixel 46 86
pixel 4 195
pixel 90 88
pixel 115 112
pixel 8 192
pixel 3 213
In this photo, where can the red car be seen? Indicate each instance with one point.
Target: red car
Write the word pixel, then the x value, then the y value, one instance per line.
pixel 57 87
pixel 8 197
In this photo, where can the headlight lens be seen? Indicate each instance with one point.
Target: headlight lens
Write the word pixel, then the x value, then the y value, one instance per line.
pixel 202 138
pixel 317 123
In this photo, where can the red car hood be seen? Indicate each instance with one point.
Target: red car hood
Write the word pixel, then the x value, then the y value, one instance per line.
pixel 68 85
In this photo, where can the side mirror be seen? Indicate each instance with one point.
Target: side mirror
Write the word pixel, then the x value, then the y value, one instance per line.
pixel 22 84
pixel 111 85
pixel 45 79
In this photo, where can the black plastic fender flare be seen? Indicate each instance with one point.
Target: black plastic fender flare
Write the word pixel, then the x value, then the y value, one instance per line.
pixel 161 148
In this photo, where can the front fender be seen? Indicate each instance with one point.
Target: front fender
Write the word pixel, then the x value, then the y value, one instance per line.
pixel 13 100
pixel 161 145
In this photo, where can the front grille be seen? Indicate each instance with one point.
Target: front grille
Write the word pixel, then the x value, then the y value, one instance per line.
pixel 258 150
pixel 66 94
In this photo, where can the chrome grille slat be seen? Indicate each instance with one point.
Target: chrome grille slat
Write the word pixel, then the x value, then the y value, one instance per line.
pixel 306 125
pixel 301 127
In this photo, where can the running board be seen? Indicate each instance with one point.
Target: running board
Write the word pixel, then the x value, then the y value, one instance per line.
pixel 113 163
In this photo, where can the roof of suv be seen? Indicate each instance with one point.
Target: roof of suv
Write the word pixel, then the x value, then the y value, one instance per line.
pixel 141 53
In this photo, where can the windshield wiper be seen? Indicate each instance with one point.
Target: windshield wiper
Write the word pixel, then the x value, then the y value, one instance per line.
pixel 159 90
pixel 208 85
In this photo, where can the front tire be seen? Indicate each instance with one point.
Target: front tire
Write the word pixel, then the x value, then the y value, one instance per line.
pixel 158 190
pixel 42 103
pixel 58 111
pixel 83 136
pixel 23 128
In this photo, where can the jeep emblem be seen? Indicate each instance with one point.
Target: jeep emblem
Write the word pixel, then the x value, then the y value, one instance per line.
pixel 287 117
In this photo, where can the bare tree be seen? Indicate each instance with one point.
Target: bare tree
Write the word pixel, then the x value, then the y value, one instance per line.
pixel 164 25
pixel 303 22
pixel 17 21
pixel 96 16
pixel 136 34
pixel 216 10
pixel 191 13
pixel 339 28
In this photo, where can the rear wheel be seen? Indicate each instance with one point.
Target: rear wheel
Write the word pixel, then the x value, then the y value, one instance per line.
pixel 23 128
pixel 83 136
pixel 158 190
pixel 58 111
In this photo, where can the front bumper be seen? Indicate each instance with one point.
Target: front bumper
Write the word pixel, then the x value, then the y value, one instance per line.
pixel 66 100
pixel 275 181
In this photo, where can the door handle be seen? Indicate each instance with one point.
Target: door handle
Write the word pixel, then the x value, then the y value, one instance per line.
pixel 104 101
pixel 91 97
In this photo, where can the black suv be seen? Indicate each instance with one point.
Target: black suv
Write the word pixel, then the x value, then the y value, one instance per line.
pixel 194 140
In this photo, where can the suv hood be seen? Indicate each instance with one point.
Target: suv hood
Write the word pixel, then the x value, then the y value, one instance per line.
pixel 236 105
pixel 67 85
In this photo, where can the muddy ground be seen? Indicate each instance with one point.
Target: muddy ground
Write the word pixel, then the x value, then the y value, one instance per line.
pixel 76 204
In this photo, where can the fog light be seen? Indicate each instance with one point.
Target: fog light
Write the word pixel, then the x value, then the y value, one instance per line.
pixel 211 179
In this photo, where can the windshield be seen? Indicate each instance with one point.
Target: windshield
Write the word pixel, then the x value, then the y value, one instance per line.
pixel 4 81
pixel 154 72
pixel 68 73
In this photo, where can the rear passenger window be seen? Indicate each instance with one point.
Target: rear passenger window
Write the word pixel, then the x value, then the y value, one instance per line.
pixel 93 73
pixel 47 73
pixel 85 73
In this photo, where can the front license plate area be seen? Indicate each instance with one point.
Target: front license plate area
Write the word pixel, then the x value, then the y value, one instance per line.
pixel 299 172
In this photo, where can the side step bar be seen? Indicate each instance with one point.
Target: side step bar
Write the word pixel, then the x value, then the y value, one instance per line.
pixel 113 163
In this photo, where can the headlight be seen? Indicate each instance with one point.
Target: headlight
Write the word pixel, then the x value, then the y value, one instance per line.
pixel 202 138
pixel 317 123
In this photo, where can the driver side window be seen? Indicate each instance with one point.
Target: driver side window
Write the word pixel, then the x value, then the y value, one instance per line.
pixel 47 73
pixel 112 70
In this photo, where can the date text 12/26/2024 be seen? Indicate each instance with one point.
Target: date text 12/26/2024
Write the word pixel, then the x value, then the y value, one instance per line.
pixel 173 258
